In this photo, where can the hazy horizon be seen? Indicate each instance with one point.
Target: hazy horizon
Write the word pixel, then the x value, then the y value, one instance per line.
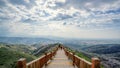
pixel 62 38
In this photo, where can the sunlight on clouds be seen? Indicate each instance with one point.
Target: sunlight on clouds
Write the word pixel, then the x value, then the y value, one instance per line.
pixel 63 18
pixel 61 1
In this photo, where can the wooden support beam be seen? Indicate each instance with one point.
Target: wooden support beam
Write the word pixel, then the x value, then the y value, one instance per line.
pixel 81 64
pixel 21 63
pixel 73 58
pixel 95 63
pixel 45 59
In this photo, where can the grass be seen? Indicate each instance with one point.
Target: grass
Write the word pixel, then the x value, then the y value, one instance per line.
pixel 8 58
pixel 83 56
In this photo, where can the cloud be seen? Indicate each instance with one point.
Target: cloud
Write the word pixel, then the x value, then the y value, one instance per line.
pixel 64 23
pixel 61 17
pixel 26 3
pixel 94 5
pixel 2 3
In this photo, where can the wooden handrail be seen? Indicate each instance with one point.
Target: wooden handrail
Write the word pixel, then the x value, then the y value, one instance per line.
pixel 80 62
pixel 38 63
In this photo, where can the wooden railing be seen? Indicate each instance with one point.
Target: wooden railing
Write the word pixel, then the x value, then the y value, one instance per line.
pixel 42 61
pixel 38 63
pixel 80 62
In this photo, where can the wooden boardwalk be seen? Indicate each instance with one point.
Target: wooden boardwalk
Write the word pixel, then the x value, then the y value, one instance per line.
pixel 60 61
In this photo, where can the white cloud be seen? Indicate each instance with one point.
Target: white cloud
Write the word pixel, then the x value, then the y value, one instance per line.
pixel 61 17
pixel 61 1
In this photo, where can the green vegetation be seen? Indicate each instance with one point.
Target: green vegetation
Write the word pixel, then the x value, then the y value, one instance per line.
pixel 10 54
pixel 18 47
pixel 83 56
pixel 8 58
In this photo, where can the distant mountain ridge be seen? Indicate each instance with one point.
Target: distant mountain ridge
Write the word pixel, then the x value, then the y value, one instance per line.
pixel 25 40
pixel 51 40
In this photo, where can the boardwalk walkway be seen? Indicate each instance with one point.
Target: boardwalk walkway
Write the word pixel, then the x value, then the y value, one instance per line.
pixel 60 61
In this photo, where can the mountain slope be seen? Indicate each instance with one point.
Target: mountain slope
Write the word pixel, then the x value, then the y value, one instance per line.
pixel 9 54
pixel 104 48
pixel 24 40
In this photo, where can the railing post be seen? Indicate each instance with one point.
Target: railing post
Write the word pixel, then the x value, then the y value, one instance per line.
pixel 46 59
pixel 95 63
pixel 68 52
pixel 21 63
pixel 81 64
pixel 51 55
pixel 73 58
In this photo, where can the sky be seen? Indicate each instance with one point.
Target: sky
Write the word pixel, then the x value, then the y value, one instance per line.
pixel 60 18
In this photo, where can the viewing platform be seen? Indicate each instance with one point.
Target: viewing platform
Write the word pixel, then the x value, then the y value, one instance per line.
pixel 60 57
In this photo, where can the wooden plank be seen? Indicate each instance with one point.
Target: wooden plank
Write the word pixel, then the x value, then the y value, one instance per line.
pixel 60 61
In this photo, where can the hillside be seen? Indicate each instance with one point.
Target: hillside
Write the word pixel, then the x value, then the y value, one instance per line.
pixel 42 49
pixel 10 53
pixel 9 57
pixel 25 40
pixel 104 48
pixel 109 54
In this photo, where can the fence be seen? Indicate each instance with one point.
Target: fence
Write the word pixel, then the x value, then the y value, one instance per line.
pixel 38 63
pixel 80 62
